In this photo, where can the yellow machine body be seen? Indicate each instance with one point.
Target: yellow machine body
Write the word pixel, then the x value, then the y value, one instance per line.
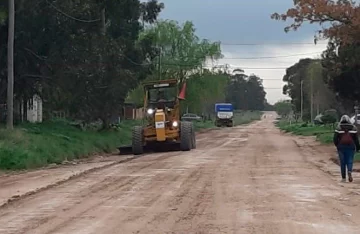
pixel 160 125
pixel 163 124
pixel 162 120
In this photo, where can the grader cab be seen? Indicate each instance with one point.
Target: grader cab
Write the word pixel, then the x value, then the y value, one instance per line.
pixel 162 126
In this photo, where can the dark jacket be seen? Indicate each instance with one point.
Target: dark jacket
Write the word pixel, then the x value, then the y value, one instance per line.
pixel 340 131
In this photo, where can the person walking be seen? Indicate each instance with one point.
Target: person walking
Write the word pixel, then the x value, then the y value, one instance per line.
pixel 347 142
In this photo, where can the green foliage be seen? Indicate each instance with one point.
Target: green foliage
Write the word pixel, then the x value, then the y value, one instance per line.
pixel 245 92
pixel 323 133
pixel 269 107
pixel 342 71
pixel 203 91
pixel 283 108
pixel 182 55
pixel 3 15
pixel 76 63
pixel 310 73
pixel 36 145
pixel 182 51
pixel 329 117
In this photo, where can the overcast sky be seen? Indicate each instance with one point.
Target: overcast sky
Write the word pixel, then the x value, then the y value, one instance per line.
pixel 246 21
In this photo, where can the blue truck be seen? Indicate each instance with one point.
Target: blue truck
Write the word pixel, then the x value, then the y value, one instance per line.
pixel 224 114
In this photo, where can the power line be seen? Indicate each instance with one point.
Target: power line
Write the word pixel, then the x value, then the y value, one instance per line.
pixel 250 68
pixel 270 57
pixel 69 16
pixel 269 43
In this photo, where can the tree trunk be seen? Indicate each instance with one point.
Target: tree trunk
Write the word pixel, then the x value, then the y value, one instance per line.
pixel 10 90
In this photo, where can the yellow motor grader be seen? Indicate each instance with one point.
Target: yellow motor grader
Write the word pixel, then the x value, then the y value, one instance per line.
pixel 162 126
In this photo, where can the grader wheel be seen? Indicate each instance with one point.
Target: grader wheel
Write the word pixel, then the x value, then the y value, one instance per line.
pixel 193 142
pixel 137 140
pixel 186 142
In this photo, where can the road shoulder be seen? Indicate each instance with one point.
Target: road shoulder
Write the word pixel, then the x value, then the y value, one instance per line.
pixel 17 185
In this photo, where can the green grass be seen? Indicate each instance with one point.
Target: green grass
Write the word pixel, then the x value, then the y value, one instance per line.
pixel 36 145
pixel 324 134
pixel 204 125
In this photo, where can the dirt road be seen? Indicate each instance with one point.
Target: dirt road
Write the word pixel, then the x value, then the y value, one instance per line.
pixel 249 179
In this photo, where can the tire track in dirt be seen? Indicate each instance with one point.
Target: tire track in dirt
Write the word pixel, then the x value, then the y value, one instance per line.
pixel 248 179
pixel 83 193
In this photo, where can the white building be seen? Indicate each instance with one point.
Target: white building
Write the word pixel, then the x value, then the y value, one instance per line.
pixel 35 110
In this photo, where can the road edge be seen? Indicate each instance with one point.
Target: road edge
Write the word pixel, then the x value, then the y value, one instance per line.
pixel 63 181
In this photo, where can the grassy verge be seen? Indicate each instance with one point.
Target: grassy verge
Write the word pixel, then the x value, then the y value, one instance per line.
pixel 36 145
pixel 324 134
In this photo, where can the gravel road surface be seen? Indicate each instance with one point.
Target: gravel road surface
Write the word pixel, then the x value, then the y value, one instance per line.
pixel 247 179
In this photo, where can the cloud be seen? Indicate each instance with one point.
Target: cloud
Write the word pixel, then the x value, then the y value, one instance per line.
pixel 245 21
pixel 277 64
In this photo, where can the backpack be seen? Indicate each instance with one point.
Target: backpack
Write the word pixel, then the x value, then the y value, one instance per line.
pixel 346 139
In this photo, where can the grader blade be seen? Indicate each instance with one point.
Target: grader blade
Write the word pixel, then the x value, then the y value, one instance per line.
pixel 127 150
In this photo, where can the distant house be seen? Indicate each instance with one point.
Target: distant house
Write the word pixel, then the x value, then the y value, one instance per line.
pixel 130 111
pixel 35 110
pixel 33 114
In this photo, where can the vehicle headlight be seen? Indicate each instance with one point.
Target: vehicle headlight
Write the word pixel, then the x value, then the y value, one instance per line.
pixel 175 124
pixel 150 111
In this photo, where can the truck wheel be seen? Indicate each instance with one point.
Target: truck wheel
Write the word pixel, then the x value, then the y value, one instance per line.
pixel 193 143
pixel 137 140
pixel 185 136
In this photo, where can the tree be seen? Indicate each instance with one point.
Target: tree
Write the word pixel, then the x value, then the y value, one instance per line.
pixel 181 50
pixel 342 73
pixel 245 92
pixel 340 21
pixel 182 57
pixel 283 108
pixel 342 18
pixel 10 89
pixel 317 97
pixel 203 91
pixel 81 57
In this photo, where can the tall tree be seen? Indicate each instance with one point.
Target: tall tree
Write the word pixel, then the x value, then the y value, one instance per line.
pixel 340 19
pixel 342 72
pixel 182 55
pixel 10 87
pixel 72 59
pixel 245 92
pixel 182 51
pixel 283 108
pixel 317 97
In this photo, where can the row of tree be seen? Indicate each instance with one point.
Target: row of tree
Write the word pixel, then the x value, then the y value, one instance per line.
pixel 81 56
pixel 87 58
pixel 183 56
pixel 331 82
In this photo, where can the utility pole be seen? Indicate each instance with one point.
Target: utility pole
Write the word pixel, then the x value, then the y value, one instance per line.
pixel 10 87
pixel 312 95
pixel 302 100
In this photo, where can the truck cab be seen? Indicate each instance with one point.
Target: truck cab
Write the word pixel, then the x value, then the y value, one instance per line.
pixel 224 114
